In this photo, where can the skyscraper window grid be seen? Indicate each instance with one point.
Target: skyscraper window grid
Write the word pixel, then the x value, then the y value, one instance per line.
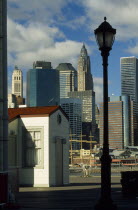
pixel 129 77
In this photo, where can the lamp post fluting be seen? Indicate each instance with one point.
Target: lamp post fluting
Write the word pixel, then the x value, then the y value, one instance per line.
pixel 105 36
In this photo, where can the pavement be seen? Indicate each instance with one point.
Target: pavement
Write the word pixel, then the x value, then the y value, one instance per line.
pixel 82 193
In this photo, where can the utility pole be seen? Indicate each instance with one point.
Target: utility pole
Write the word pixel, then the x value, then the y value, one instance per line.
pixel 3 105
pixel 81 139
pixel 71 140
pixel 91 143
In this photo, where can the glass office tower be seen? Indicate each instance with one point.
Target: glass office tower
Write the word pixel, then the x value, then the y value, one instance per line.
pixel 68 79
pixel 129 77
pixel 88 104
pixel 42 87
pixel 72 107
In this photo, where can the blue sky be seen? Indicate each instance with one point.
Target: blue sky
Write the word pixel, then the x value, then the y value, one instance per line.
pixel 54 30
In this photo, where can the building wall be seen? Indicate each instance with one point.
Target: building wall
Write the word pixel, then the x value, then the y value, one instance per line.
pixel 12 101
pixel 116 136
pixel 17 82
pixel 59 132
pixel 42 87
pixel 88 104
pixel 40 176
pixel 13 157
pixel 129 77
pixel 43 174
pixel 85 80
pixel 68 79
pixel 123 121
pixel 73 108
pixel 31 176
pixel 134 123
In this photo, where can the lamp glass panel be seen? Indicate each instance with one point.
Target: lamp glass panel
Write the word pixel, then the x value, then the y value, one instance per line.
pixel 99 38
pixel 109 39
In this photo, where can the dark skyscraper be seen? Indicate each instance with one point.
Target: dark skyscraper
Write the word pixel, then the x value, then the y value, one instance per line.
pixel 42 87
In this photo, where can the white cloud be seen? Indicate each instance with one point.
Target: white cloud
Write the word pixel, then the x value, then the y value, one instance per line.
pixel 98 88
pixel 27 44
pixel 122 15
pixel 36 10
pixel 133 50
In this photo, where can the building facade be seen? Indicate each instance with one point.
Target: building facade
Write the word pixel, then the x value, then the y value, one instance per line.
pixel 134 123
pixel 39 146
pixel 12 101
pixel 129 77
pixel 86 94
pixel 88 114
pixel 68 79
pixel 17 82
pixel 123 122
pixel 88 104
pixel 42 87
pixel 72 107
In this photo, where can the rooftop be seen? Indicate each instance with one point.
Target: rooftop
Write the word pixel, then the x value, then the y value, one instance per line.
pixel 65 66
pixel 16 112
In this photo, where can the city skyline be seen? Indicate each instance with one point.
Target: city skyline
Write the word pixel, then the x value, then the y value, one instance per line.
pixel 55 31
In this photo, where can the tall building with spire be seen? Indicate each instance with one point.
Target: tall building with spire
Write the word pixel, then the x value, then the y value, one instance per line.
pixel 86 94
pixel 85 80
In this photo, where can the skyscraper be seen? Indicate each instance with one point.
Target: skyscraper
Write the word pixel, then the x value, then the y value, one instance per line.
pixel 17 82
pixel 68 79
pixel 88 104
pixel 85 93
pixel 129 77
pixel 72 107
pixel 85 80
pixel 42 87
pixel 123 122
pixel 42 65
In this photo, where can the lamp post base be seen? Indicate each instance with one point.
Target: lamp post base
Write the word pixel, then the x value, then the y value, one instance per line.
pixel 106 204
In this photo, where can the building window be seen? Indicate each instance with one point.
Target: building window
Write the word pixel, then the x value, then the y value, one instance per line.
pixel 33 147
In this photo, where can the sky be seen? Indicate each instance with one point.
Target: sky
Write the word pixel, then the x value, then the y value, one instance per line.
pixel 55 30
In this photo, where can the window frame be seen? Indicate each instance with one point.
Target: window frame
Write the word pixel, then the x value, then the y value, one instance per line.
pixel 24 147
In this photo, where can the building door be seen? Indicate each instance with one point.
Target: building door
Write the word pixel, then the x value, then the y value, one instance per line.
pixel 59 162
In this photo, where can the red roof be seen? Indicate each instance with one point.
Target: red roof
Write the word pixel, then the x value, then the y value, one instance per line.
pixel 16 112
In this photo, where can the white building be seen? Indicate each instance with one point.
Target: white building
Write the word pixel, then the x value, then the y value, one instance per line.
pixel 39 145
pixel 17 82
pixel 12 101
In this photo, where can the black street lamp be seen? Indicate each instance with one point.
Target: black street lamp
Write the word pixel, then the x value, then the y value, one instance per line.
pixel 105 36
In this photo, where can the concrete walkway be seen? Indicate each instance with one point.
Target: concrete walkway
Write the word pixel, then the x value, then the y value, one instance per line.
pixel 82 194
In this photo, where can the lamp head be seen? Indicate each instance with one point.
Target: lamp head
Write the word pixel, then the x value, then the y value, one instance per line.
pixel 105 35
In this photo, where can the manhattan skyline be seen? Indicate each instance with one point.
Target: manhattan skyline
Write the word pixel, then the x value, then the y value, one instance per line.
pixel 55 31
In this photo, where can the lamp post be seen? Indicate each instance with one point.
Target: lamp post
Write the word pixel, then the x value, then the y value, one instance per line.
pixel 105 36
